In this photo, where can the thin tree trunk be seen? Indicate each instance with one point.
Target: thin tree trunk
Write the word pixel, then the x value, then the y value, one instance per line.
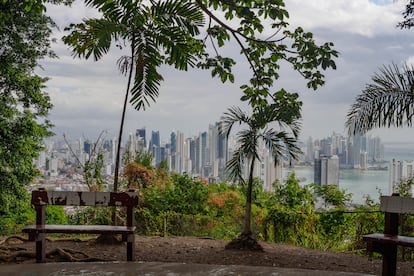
pixel 121 128
pixel 247 231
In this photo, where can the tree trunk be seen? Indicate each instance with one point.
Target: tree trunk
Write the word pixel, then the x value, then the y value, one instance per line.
pixel 247 231
pixel 121 128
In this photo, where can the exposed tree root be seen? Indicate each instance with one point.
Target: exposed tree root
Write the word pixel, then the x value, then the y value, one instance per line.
pixel 11 238
pixel 10 257
pixel 67 254
pixel 63 254
pixel 16 253
pixel 71 239
pixel 244 242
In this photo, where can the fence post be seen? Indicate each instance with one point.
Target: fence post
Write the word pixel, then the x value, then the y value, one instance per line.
pixel 165 226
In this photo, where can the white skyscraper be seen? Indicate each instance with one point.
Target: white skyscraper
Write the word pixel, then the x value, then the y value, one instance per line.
pixel 326 170
pixel 399 170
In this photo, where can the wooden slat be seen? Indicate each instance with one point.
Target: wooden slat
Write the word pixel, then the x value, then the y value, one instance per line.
pixel 78 229
pixel 102 198
pixel 397 204
pixel 390 239
pixel 71 198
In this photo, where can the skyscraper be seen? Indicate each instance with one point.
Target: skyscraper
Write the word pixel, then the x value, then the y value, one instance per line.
pixel 142 134
pixel 326 170
pixel 399 170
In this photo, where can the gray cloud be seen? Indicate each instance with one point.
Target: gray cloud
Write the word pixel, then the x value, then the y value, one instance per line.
pixel 88 95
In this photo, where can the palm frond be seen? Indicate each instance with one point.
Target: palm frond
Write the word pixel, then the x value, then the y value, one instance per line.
pixel 386 102
pixel 281 143
pixel 147 79
pixel 182 14
pixel 234 166
pixel 248 143
pixel 233 116
pixel 176 25
pixel 93 37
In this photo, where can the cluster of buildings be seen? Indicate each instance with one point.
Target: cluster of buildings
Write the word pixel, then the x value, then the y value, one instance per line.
pixel 201 156
pixel 330 154
pixel 205 156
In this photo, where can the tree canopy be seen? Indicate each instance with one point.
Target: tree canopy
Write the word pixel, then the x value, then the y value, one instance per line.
pixel 24 40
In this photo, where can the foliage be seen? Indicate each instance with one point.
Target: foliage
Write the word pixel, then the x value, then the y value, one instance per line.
pixel 55 215
pixel 138 175
pixel 387 101
pixel 332 195
pixel 20 213
pixel 404 187
pixel 183 195
pixel 24 39
pixel 289 208
pixel 408 15
pixel 291 196
pixel 144 158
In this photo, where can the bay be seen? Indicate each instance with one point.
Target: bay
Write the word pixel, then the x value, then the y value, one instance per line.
pixel 360 183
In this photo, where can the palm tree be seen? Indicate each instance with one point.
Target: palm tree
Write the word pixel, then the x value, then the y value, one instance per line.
pixel 156 32
pixel 284 113
pixel 388 101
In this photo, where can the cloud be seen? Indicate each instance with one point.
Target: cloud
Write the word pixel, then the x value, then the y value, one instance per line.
pixel 88 95
pixel 345 16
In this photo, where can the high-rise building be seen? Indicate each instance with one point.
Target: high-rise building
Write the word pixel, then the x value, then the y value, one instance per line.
pixel 363 163
pixel 326 170
pixel 203 155
pixel 141 133
pixel 310 152
pixel 155 139
pixel 222 150
pixel 398 171
pixel 180 151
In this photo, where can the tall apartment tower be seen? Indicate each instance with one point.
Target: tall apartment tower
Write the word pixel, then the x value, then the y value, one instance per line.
pixel 326 170
pixel 179 152
pixel 141 133
pixel 399 170
pixel 222 150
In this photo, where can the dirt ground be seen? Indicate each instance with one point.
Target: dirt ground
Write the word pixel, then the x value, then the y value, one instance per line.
pixel 199 250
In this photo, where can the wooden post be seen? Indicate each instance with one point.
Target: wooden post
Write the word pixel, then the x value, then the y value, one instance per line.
pixel 389 251
pixel 39 236
pixel 130 237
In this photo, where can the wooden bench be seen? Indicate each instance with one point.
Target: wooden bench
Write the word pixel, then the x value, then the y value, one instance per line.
pixel 386 243
pixel 41 198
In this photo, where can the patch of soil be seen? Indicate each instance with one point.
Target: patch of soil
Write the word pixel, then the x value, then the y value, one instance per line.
pixel 210 251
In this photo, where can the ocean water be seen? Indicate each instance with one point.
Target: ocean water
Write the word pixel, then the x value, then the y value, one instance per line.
pixel 361 183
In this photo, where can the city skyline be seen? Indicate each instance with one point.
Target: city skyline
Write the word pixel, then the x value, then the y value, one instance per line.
pixel 199 156
pixel 87 95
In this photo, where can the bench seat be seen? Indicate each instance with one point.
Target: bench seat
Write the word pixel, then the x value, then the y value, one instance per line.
pixel 389 239
pixel 79 229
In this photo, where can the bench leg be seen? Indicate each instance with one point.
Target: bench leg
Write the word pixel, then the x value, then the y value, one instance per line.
pixel 130 247
pixel 40 247
pixel 32 236
pixel 389 260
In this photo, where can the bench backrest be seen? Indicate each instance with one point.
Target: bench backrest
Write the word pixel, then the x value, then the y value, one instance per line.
pixel 69 198
pixel 41 198
pixel 397 204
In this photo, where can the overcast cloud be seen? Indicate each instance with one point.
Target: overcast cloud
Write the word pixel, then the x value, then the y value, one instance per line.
pixel 88 96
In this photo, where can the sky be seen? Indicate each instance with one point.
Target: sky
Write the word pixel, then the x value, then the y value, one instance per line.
pixel 88 96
